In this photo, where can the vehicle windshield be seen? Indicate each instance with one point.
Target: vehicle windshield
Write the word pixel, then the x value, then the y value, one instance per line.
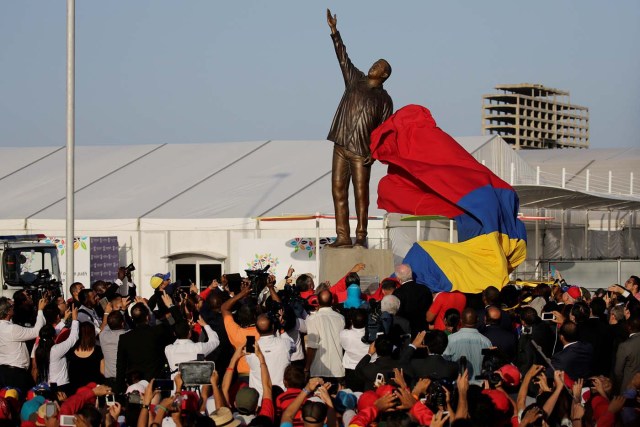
pixel 30 266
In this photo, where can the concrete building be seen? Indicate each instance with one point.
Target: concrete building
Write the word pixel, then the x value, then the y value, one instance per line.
pixel 529 115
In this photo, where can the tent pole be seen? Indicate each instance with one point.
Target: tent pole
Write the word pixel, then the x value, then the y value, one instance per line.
pixel 562 235
pixel 586 234
pixel 317 247
pixel 70 232
pixel 450 231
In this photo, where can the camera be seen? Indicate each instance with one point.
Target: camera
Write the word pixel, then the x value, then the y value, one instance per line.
pixel 129 268
pixel 258 279
pixel 436 396
pixel 492 377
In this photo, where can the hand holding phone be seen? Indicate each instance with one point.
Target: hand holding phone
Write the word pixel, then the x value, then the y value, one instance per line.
pixel 251 344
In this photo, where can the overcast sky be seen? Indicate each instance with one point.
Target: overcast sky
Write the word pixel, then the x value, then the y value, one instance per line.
pixel 205 71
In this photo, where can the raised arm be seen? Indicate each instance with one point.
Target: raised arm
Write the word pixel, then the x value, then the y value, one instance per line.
pixel 228 305
pixel 349 71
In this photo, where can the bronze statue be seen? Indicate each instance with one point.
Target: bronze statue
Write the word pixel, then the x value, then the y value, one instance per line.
pixel 363 107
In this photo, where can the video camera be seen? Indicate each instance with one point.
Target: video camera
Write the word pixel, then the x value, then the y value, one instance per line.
pixel 258 279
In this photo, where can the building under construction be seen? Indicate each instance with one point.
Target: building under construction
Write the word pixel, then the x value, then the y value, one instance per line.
pixel 534 116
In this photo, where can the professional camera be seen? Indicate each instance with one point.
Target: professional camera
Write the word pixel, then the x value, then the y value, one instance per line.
pixel 129 268
pixel 258 279
pixel 378 323
pixel 436 396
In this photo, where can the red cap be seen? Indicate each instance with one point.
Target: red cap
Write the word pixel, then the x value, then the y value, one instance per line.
pixel 385 389
pixel 574 292
pixel 367 400
pixel 510 375
pixel 499 399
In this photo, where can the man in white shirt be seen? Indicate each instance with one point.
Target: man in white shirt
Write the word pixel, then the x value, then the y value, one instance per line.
pixel 354 349
pixel 277 350
pixel 185 350
pixel 324 351
pixel 14 356
pixel 126 287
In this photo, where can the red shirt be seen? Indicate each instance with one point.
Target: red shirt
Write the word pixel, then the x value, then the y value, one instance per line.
pixel 443 302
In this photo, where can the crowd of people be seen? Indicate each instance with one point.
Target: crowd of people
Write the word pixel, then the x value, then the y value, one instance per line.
pixel 296 354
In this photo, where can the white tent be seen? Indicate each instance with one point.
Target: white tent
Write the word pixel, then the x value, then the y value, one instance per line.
pixel 168 202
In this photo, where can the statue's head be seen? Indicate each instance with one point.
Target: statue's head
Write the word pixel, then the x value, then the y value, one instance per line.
pixel 380 70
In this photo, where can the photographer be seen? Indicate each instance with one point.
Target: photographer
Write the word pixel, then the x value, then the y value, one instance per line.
pixel 126 287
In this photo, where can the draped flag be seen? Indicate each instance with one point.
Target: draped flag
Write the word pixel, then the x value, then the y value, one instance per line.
pixel 429 173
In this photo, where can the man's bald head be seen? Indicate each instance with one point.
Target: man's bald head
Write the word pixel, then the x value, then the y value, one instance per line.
pixel 325 299
pixel 493 315
pixel 469 318
pixel 404 273
pixel 263 325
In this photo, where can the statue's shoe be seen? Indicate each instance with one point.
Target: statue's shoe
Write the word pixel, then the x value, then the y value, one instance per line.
pixel 341 244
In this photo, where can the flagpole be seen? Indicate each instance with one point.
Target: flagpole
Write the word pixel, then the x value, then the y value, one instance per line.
pixel 71 18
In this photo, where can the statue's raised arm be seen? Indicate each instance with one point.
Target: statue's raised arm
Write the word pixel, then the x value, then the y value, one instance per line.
pixel 332 21
pixel 349 71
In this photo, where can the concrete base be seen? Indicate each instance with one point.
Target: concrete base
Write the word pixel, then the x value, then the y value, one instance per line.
pixel 335 263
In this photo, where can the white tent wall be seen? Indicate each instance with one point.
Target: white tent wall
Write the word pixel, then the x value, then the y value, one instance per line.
pixel 205 198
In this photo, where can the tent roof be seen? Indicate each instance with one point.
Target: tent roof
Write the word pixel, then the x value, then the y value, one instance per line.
pixel 194 181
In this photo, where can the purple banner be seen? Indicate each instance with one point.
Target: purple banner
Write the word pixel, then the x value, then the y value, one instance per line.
pixel 105 258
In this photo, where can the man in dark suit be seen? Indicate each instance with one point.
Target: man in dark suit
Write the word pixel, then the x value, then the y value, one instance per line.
pixel 533 329
pixel 595 331
pixel 576 357
pixel 142 348
pixel 491 298
pixel 501 338
pixel 433 365
pixel 628 356
pixel 384 364
pixel 415 299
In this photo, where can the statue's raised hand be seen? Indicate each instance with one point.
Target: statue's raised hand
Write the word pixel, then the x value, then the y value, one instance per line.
pixel 332 20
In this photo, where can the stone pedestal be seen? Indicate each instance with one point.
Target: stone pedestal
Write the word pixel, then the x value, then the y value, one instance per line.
pixel 334 263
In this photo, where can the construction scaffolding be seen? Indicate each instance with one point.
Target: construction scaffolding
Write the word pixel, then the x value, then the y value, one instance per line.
pixel 529 115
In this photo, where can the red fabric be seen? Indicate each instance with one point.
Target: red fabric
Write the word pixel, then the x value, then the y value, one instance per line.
pixel 443 302
pixel 76 401
pixel 62 336
pixel 364 417
pixel 284 400
pixel 339 291
pixel 204 294
pixel 428 170
pixel 267 409
pixel 420 412
pixel 367 399
pixel 378 295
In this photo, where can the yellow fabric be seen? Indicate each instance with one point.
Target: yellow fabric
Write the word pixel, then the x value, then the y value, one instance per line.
pixel 485 260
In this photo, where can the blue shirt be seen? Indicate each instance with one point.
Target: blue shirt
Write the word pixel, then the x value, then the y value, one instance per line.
pixel 467 342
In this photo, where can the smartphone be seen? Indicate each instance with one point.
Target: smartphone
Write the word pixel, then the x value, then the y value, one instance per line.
pixel 548 316
pixel 67 421
pixel 379 379
pixel 463 363
pixel 163 384
pixel 251 344
pixel 50 409
pixel 110 399
pixel 103 303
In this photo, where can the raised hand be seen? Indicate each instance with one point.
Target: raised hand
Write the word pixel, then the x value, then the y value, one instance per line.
pixel 166 299
pixel 332 21
pixel 439 419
